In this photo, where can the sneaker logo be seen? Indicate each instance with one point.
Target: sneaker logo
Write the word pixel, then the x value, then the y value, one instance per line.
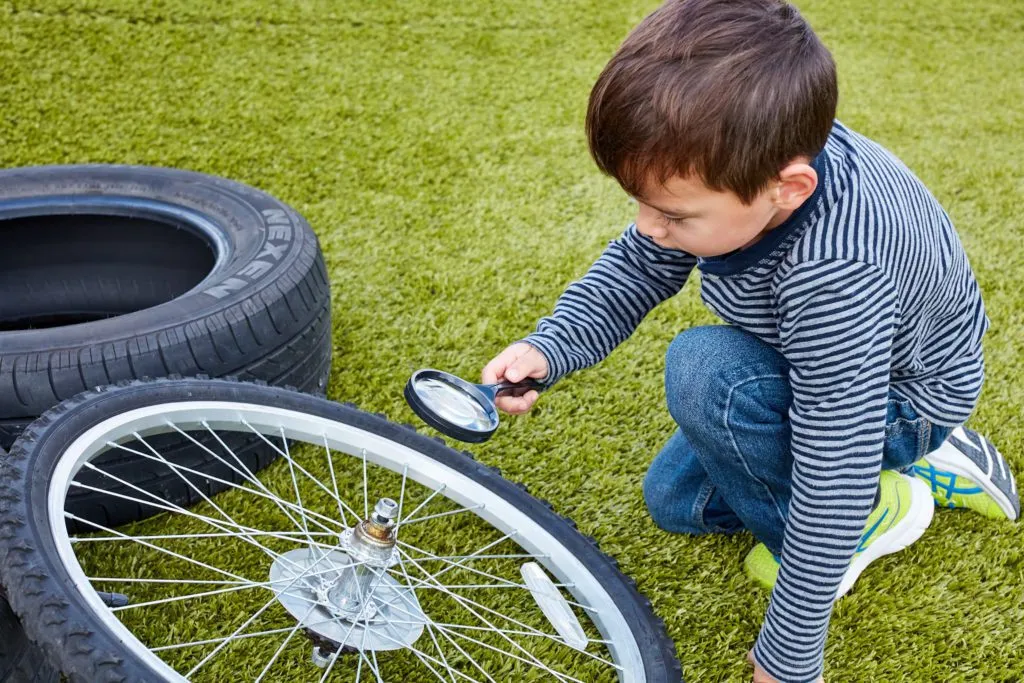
pixel 945 483
pixel 867 534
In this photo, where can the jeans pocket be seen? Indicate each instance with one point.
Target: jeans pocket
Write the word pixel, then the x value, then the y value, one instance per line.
pixel 906 442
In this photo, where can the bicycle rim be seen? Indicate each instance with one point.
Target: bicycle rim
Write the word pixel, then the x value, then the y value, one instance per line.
pixel 476 638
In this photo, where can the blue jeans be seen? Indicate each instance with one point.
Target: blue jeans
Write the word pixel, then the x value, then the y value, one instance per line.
pixel 728 466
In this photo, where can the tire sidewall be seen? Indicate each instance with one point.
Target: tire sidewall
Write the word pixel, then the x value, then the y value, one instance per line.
pixel 260 239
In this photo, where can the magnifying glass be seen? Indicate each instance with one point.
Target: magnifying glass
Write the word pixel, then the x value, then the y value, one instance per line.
pixel 457 408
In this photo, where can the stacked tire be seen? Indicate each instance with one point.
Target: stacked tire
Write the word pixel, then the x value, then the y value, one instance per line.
pixel 112 273
pixel 118 272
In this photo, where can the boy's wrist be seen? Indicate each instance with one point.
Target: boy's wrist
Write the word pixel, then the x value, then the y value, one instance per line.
pixel 548 348
pixel 771 673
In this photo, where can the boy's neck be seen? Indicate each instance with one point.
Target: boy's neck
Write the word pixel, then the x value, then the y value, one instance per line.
pixel 777 220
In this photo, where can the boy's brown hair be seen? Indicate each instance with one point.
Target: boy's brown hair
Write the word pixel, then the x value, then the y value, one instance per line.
pixel 727 90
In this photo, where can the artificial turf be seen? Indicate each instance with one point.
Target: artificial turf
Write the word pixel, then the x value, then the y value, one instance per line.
pixel 437 150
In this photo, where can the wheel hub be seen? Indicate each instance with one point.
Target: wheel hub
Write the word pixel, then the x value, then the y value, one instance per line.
pixel 343 595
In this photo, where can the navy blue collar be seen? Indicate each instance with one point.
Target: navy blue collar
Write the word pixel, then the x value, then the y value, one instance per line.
pixel 741 259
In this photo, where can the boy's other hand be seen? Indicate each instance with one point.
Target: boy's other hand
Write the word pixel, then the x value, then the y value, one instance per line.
pixel 514 364
pixel 762 676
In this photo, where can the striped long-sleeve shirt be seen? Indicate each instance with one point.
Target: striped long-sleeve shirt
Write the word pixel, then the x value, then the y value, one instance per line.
pixel 866 286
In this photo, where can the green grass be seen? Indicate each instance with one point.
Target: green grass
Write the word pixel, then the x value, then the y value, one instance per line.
pixel 437 149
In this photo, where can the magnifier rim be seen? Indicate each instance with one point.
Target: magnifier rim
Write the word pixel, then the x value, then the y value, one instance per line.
pixel 421 408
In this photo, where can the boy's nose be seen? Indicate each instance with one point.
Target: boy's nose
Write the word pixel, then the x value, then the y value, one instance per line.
pixel 647 224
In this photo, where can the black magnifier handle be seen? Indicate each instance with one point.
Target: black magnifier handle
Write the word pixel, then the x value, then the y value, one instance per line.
pixel 518 388
pixel 528 383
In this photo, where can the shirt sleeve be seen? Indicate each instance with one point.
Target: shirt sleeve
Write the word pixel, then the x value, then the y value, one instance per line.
pixel 599 311
pixel 837 319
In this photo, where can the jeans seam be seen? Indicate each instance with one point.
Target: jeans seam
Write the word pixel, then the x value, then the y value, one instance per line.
pixel 700 504
pixel 732 438
pixel 925 438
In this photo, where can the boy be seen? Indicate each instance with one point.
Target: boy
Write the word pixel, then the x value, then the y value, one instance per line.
pixel 853 347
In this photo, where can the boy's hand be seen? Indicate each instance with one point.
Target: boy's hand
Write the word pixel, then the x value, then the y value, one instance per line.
pixel 762 676
pixel 514 364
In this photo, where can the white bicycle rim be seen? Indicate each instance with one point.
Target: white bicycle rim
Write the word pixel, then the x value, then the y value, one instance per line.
pixel 339 438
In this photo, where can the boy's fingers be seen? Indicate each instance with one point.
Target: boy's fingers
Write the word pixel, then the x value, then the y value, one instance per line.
pixel 513 404
pixel 517 405
pixel 498 367
pixel 491 372
pixel 514 364
pixel 495 370
pixel 530 364
pixel 518 369
pixel 510 405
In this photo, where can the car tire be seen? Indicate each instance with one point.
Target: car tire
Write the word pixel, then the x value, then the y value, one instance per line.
pixel 113 273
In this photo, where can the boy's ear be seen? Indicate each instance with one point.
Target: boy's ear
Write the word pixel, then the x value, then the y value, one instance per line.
pixel 796 182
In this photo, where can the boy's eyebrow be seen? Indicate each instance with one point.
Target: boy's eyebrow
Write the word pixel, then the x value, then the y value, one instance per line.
pixel 671 214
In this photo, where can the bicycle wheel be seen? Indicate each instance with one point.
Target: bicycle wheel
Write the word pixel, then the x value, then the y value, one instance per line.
pixel 377 552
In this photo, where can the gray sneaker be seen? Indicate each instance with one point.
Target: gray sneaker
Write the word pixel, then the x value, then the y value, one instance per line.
pixel 968 472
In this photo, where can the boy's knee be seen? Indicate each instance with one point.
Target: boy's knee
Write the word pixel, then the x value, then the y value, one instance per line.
pixel 665 507
pixel 696 365
pixel 703 364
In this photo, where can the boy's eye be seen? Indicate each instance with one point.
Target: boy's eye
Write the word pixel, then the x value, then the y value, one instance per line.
pixel 673 220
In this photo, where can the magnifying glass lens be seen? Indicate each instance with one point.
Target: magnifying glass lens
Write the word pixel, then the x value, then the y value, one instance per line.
pixel 452 404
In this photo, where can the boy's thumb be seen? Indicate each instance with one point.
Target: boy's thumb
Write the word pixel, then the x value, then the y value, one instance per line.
pixel 513 374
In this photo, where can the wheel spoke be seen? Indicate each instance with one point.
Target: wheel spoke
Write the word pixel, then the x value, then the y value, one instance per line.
pixel 422 505
pixel 270 603
pixel 242 636
pixel 419 583
pixel 300 468
pixel 255 584
pixel 100 579
pixel 334 485
pixel 366 497
pixel 76 518
pixel 465 603
pixel 283 535
pixel 429 625
pixel 217 524
pixel 277 653
pixel 460 564
pixel 513 632
pixel 426 584
pixel 170 507
pixel 230 484
pixel 465 654
pixel 533 661
pixel 401 499
pixel 506 583
pixel 424 655
pixel 295 486
pixel 227 518
pixel 441 514
pixel 244 472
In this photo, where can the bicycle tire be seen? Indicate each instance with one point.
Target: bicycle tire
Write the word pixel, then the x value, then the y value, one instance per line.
pixel 64 622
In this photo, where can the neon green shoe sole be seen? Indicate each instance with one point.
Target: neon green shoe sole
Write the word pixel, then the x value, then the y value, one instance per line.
pixel 903 512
